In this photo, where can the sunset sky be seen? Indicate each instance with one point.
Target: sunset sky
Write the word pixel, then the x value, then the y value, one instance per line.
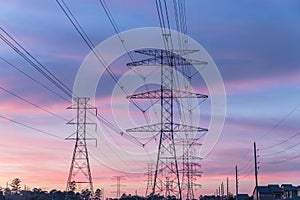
pixel 254 43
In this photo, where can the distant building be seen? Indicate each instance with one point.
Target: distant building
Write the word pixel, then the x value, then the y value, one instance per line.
pixel 264 193
pixel 241 197
pixel 274 192
pixel 212 197
pixel 289 191
pixel 298 191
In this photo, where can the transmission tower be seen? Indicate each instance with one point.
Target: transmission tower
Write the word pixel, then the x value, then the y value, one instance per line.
pixel 80 171
pixel 149 178
pixel 118 185
pixel 191 168
pixel 166 177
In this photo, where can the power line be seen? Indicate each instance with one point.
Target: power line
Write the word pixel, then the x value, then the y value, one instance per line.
pixel 130 55
pixel 30 127
pixel 248 172
pixel 119 131
pixel 116 28
pixel 281 121
pixel 29 102
pixel 282 142
pixel 281 151
pixel 91 46
pixel 36 66
pixel 281 161
pixel 33 79
pixel 19 49
pixel 246 166
pixel 85 37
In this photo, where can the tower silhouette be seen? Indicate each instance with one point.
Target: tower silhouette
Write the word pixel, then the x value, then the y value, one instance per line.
pixel 149 178
pixel 191 168
pixel 118 185
pixel 80 171
pixel 166 176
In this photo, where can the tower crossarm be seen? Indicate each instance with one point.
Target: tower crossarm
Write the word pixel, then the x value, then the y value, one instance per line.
pixel 176 128
pixel 167 93
pixel 163 57
pixel 146 129
pixel 178 61
pixel 159 52
pixel 186 128
pixel 191 157
pixel 187 94
pixel 197 185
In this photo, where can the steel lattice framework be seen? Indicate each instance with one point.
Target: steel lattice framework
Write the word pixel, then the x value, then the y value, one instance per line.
pixel 149 178
pixel 191 169
pixel 166 177
pixel 80 172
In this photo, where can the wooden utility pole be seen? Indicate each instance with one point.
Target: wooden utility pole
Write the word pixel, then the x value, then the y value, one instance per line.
pixel 227 187
pixel 255 166
pixel 236 182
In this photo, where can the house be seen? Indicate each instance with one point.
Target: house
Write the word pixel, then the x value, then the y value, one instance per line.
pixel 289 191
pixel 298 191
pixel 276 191
pixel 264 193
pixel 242 197
pixel 209 197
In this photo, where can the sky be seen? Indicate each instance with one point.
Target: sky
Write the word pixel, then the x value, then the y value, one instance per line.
pixel 255 45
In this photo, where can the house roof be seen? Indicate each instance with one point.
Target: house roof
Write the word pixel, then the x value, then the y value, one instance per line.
pixel 295 198
pixel 242 196
pixel 288 187
pixel 274 188
pixel 263 190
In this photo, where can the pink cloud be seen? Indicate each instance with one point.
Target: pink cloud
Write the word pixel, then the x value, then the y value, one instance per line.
pixel 233 87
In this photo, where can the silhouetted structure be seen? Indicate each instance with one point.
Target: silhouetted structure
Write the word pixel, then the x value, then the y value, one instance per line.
pixel 166 177
pixel 80 172
pixel 274 192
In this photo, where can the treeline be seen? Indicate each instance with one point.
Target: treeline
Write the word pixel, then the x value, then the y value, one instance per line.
pixel 38 194
pixel 14 192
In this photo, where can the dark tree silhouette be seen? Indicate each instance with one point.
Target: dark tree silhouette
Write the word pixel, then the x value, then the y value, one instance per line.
pixel 15 185
pixel 72 186
pixel 98 194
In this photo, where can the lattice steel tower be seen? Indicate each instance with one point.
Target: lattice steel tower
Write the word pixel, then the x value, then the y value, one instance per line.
pixel 80 171
pixel 166 177
pixel 191 169
pixel 118 185
pixel 149 178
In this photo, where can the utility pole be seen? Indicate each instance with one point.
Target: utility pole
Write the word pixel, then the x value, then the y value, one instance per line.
pixel 222 190
pixel 256 171
pixel 227 188
pixel 80 171
pixel 236 182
